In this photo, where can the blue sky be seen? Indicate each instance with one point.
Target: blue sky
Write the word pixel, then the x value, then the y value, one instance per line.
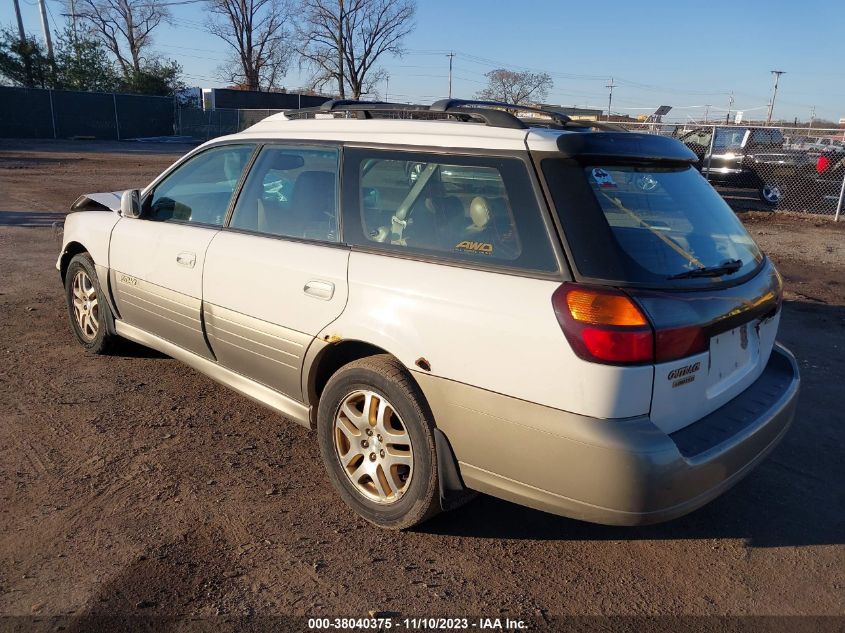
pixel 684 54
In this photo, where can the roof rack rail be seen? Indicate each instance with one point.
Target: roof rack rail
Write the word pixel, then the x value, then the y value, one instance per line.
pixel 365 109
pixel 335 104
pixel 447 105
pixel 361 108
pixel 491 113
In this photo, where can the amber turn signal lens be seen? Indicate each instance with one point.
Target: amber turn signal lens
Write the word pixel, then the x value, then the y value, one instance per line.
pixel 602 308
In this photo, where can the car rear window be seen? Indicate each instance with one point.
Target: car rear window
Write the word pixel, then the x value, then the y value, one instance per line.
pixel 729 138
pixel 767 136
pixel 476 209
pixel 648 225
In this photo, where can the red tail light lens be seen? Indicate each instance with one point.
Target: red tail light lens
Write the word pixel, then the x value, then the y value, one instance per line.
pixel 679 343
pixel 603 325
pixel 618 346
pixel 822 164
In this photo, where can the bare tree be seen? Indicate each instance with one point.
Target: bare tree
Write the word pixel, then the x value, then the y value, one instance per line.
pixel 257 30
pixel 516 87
pixel 125 27
pixel 343 40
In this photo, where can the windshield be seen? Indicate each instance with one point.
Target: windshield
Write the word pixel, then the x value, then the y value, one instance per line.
pixel 656 226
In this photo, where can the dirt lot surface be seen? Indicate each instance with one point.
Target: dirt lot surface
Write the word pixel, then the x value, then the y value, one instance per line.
pixel 130 484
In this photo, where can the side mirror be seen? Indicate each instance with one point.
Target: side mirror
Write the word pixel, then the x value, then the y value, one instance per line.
pixel 130 203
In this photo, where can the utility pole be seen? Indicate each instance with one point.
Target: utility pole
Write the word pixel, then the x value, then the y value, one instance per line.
pixel 730 105
pixel 777 74
pixel 73 19
pixel 386 87
pixel 341 50
pixel 610 88
pixel 450 55
pixel 45 25
pixel 72 16
pixel 22 34
pixel 812 116
pixel 706 112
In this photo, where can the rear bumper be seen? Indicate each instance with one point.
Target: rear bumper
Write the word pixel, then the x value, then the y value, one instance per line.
pixel 617 472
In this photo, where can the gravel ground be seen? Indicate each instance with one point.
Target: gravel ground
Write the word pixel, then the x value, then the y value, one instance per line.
pixel 131 485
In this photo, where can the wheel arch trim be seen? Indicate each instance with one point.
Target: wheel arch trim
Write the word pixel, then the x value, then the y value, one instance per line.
pixel 325 355
pixel 70 250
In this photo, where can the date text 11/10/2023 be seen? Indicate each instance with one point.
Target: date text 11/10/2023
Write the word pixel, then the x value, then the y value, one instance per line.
pixel 419 624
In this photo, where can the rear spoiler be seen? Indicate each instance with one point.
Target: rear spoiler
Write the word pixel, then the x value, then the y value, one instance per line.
pixel 625 145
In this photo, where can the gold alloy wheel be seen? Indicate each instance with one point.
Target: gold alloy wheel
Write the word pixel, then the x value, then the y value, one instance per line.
pixel 86 308
pixel 373 446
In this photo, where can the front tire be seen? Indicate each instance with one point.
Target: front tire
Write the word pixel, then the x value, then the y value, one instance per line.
pixel 91 319
pixel 376 436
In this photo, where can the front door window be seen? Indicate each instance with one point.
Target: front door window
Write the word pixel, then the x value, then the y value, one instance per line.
pixel 199 190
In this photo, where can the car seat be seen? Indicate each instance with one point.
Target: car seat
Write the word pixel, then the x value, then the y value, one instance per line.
pixel 492 223
pixel 313 205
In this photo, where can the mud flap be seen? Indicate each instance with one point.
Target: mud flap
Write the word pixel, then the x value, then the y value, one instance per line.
pixel 453 493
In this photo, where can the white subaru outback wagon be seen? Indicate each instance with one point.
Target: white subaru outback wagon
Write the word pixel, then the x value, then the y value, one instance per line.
pixel 468 296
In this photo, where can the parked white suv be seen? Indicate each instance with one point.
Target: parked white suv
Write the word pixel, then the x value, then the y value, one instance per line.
pixel 551 312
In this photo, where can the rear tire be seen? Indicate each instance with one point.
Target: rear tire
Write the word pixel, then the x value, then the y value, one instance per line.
pixel 376 436
pixel 91 319
pixel 770 193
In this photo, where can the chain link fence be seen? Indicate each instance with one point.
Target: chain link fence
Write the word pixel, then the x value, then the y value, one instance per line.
pixel 766 168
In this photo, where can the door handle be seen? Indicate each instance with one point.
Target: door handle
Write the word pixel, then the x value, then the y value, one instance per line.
pixel 319 289
pixel 186 259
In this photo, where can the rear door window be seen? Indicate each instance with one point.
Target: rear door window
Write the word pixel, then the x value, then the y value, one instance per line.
pixel 648 225
pixel 767 137
pixel 475 209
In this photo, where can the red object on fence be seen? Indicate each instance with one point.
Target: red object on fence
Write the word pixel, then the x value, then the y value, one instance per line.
pixel 822 164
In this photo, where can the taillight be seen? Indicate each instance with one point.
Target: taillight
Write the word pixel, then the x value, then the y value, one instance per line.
pixel 679 342
pixel 605 325
pixel 822 164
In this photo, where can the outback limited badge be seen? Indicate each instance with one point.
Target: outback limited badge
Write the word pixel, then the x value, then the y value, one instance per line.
pixel 683 375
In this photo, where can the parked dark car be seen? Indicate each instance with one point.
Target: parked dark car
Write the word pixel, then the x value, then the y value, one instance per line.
pixel 749 158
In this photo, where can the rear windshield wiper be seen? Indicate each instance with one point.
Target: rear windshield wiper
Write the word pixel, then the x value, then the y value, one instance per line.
pixel 725 268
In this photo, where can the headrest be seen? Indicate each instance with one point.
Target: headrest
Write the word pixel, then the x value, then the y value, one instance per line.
pixel 314 187
pixel 283 162
pixel 479 213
